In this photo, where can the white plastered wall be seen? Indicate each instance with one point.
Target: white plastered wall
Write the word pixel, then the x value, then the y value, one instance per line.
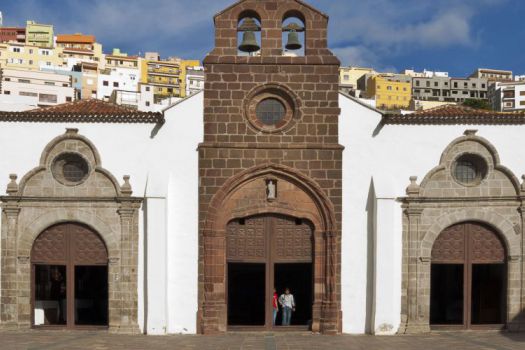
pixel 386 157
pixel 163 165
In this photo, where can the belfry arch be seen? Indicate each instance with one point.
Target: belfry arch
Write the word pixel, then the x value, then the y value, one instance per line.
pixel 298 202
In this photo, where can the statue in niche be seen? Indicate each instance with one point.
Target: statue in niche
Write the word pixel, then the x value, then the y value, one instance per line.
pixel 271 189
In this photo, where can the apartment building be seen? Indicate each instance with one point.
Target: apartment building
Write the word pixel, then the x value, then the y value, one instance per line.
pixel 390 91
pixel 13 34
pixel 41 35
pixel 445 89
pixel 167 76
pixel 424 74
pixel 492 75
pixel 80 48
pixel 507 96
pixel 194 80
pixel 118 59
pixel 117 78
pixel 349 76
pixel 34 88
pixel 29 57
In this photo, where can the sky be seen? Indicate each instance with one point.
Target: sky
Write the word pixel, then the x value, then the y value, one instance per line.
pixel 456 36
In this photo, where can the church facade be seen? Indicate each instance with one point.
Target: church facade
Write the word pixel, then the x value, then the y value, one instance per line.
pixel 189 220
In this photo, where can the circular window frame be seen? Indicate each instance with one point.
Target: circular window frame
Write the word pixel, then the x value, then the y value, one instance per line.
pixel 481 164
pixel 279 93
pixel 62 158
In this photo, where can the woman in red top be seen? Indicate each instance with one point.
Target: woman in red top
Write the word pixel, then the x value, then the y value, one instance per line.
pixel 275 305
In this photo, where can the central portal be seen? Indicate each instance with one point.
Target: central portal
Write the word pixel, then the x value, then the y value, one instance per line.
pixel 267 253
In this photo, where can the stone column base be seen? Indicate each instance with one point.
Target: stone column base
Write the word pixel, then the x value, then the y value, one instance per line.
pixel 415 328
pixel 128 329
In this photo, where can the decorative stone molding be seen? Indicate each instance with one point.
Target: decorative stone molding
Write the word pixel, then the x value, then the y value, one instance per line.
pixel 12 187
pixel 99 202
pixel 438 203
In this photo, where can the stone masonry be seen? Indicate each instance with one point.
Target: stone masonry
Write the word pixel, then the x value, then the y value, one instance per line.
pixel 99 202
pixel 440 202
pixel 303 155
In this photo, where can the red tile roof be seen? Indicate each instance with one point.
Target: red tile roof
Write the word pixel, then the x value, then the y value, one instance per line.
pixel 75 38
pixel 84 111
pixel 456 115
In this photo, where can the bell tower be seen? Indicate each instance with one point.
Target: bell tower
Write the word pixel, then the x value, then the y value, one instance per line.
pixel 270 148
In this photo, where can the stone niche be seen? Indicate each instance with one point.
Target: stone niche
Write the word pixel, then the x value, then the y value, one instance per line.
pixel 69 186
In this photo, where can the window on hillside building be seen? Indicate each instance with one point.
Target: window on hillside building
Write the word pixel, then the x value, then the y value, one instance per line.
pixel 389 88
pixel 115 84
pixel 7 92
pixel 105 83
pixel 68 99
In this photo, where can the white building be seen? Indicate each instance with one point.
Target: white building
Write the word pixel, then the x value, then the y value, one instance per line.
pixel 34 88
pixel 194 80
pixel 507 96
pixel 117 78
pixel 429 205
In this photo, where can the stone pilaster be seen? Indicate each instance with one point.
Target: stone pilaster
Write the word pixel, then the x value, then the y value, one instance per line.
pixel 123 317
pixel 9 284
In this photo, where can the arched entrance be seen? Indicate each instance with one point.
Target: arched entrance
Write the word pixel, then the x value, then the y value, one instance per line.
pixel 69 283
pixel 266 252
pixel 468 278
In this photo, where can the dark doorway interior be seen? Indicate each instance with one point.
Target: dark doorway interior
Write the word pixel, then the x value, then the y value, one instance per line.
pixel 50 295
pixel 446 294
pixel 91 295
pixel 246 294
pixel 297 277
pixel 488 293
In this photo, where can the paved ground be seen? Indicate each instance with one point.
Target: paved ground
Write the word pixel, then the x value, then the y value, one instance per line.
pixel 55 340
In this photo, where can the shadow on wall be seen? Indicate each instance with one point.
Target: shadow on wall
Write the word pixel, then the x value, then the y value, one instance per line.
pixel 370 264
pixel 516 330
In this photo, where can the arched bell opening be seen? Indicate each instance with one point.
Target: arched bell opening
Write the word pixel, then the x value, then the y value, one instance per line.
pixel 294 34
pixel 69 283
pixel 468 278
pixel 249 34
pixel 268 254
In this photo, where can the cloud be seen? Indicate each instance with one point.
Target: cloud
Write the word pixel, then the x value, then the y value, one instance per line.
pixel 362 32
pixel 371 32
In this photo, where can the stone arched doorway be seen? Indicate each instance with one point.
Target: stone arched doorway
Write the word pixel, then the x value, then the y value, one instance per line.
pixel 69 283
pixel 468 278
pixel 267 252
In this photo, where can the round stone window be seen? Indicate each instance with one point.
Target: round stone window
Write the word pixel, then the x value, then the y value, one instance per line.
pixel 470 169
pixel 70 168
pixel 270 111
pixel 271 108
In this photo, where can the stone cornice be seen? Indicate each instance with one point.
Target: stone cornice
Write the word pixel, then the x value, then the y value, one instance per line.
pixel 24 199
pixel 271 146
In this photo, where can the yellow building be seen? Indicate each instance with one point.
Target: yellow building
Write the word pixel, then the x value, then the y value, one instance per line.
pixel 29 57
pixel 168 77
pixel 80 47
pixel 348 76
pixel 119 59
pixel 39 34
pixel 390 91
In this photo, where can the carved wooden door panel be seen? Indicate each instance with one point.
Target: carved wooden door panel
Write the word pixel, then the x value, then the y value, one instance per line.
pixel 67 245
pixel 480 251
pixel 247 240
pixel 269 239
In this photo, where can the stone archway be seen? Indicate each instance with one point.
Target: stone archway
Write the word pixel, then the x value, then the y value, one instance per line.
pixel 69 277
pixel 247 195
pixel 468 277
pixel 44 198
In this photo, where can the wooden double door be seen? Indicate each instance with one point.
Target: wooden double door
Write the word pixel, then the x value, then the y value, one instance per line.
pixel 69 273
pixel 468 278
pixel 267 253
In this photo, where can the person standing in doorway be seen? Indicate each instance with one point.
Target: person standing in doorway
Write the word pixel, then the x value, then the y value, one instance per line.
pixel 288 305
pixel 275 305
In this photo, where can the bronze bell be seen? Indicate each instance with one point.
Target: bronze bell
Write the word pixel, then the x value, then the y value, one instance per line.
pixel 293 41
pixel 249 42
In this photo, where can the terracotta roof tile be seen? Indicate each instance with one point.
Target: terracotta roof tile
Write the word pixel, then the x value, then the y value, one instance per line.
pixel 84 111
pixel 456 115
pixel 75 38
